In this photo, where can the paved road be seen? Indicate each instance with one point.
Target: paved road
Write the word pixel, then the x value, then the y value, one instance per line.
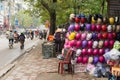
pixel 8 55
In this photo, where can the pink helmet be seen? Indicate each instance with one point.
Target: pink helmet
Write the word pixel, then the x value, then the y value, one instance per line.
pixel 77 27
pixel 79 59
pixel 101 59
pixel 111 43
pixel 93 27
pixel 72 43
pixel 90 51
pixel 106 43
pixel 99 36
pixel 101 51
pixel 95 51
pixel 98 27
pixel 84 51
pixel 110 36
pixel 83 36
pixel 78 35
pixel 90 43
pixel 78 44
pixel 85 60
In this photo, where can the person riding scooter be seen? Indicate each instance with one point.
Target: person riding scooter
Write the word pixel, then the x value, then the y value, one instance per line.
pixel 22 40
pixel 11 39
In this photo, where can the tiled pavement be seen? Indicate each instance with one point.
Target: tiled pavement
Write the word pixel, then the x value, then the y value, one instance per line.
pixel 33 67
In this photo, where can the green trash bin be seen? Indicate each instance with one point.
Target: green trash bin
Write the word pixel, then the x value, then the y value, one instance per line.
pixel 48 50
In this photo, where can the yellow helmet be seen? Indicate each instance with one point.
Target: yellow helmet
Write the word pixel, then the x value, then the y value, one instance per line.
pixel 111 20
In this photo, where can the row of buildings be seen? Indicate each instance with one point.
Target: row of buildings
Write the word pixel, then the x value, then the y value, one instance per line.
pixel 9 8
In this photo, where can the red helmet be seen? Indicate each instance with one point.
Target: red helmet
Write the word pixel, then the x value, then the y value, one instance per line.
pixel 104 27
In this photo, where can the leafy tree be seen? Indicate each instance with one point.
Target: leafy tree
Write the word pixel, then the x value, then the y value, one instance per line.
pixel 25 20
pixel 58 11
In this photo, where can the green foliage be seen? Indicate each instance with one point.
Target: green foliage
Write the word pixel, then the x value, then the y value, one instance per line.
pixel 64 8
pixel 25 20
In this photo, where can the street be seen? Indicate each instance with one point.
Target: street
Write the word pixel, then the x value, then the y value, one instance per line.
pixel 8 55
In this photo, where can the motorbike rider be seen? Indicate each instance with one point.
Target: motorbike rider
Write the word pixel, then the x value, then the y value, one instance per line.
pixel 11 36
pixel 16 36
pixel 22 39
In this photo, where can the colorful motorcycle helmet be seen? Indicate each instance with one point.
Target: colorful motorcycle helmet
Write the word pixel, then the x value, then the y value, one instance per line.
pixel 77 20
pixel 88 27
pixel 118 28
pixel 89 36
pixel 99 36
pixel 105 20
pixel 78 44
pixel 78 35
pixel 72 43
pixel 78 52
pixel 90 60
pixel 93 20
pixel 95 60
pixel 83 36
pixel 94 36
pixel 117 20
pixel 84 51
pixel 111 20
pixel 106 43
pixel 71 27
pixel 104 35
pixel 95 51
pixel 101 51
pixel 85 60
pixel 100 44
pixel 114 35
pixel 109 28
pixel 89 19
pixel 93 27
pixel 110 36
pixel 90 51
pixel 104 27
pixel 82 27
pixel 90 43
pixel 72 18
pixel 99 21
pixel 113 28
pixel 95 17
pixel 101 59
pixel 111 43
pixel 98 27
pixel 95 44
pixel 77 27
pixel 84 43
pixel 83 20
pixel 79 59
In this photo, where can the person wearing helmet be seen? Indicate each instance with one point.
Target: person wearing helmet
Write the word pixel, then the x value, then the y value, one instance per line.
pixel 11 36
pixel 22 40
pixel 16 35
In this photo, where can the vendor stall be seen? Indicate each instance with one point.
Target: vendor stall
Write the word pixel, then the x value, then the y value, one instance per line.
pixel 91 38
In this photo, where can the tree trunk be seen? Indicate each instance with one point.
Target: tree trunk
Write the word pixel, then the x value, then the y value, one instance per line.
pixel 52 22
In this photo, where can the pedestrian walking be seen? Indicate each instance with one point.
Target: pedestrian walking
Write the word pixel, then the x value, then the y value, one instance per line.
pixel 57 38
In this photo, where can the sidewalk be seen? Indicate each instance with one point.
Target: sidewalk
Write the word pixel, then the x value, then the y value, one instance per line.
pixel 33 67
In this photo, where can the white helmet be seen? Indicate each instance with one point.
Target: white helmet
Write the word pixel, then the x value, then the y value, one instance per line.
pixel 78 52
pixel 89 36
pixel 95 44
pixel 109 28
